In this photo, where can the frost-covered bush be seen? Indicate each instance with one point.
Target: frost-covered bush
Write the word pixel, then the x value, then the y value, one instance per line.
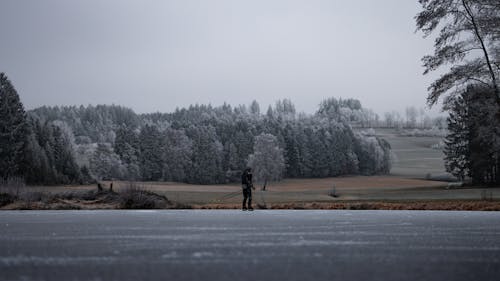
pixel 267 160
pixel 374 155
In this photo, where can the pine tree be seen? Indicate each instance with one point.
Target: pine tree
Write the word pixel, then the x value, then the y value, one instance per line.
pixel 65 163
pixel 206 166
pixel 292 157
pixel 127 148
pixel 255 108
pixel 319 160
pixel 13 131
pixel 231 163
pixel 472 145
pixel 484 143
pixel 177 154
pixel 457 152
pixel 151 152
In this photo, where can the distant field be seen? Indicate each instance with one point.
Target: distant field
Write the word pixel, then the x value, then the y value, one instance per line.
pixel 414 156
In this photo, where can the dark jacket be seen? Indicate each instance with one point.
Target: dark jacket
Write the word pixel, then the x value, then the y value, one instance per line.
pixel 246 178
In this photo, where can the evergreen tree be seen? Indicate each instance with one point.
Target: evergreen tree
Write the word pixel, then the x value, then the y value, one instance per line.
pixel 178 149
pixel 127 148
pixel 456 149
pixel 292 157
pixel 319 161
pixel 13 131
pixel 64 160
pixel 473 143
pixel 484 137
pixel 39 171
pixel 151 152
pixel 255 108
pixel 231 162
pixel 206 166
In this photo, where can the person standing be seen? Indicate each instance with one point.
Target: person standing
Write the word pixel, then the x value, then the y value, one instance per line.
pixel 247 186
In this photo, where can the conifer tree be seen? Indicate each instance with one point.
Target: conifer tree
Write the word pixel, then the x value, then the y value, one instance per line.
pixel 13 131
pixel 457 152
pixel 206 166
pixel 473 143
pixel 151 152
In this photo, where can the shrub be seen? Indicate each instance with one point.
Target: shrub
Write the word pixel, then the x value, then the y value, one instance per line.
pixel 135 196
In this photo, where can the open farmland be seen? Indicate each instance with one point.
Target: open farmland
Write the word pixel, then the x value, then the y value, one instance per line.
pixel 413 156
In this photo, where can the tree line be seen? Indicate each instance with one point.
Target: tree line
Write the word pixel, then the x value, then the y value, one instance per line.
pixel 200 144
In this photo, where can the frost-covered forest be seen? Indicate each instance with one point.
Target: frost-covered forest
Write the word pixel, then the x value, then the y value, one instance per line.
pixel 204 144
pixel 200 144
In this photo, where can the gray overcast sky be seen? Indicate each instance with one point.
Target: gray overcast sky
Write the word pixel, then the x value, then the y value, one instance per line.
pixel 159 55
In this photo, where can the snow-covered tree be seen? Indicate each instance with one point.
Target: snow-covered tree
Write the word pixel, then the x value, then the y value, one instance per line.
pixel 457 146
pixel 374 155
pixel 267 161
pixel 105 164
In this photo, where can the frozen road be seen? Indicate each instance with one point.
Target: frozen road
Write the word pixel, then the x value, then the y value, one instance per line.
pixel 260 245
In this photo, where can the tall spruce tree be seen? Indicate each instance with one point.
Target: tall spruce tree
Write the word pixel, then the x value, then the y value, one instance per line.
pixel 13 131
pixel 176 155
pixel 456 149
pixel 207 156
pixel 473 143
pixel 151 152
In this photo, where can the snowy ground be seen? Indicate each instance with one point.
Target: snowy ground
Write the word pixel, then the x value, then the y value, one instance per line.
pixel 259 245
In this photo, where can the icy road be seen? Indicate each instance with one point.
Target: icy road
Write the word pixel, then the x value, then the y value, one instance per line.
pixel 259 245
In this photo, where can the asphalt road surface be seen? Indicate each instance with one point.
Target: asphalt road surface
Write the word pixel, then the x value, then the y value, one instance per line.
pixel 259 245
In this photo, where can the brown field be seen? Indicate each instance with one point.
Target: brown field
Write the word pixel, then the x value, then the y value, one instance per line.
pixel 376 191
